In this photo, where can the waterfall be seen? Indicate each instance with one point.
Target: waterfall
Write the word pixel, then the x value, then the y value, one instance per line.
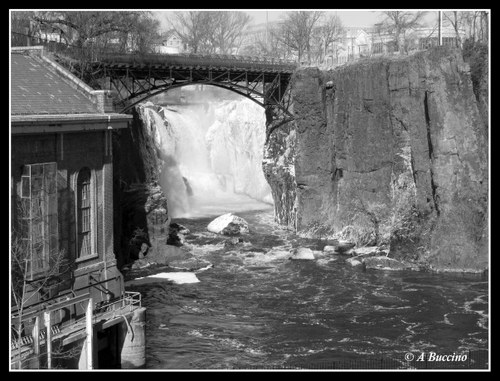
pixel 212 154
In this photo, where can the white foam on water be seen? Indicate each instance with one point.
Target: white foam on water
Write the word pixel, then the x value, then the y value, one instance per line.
pixel 205 268
pixel 483 314
pixel 176 277
pixel 446 320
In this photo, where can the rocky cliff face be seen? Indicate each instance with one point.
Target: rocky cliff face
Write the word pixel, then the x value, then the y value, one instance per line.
pixel 388 152
pixel 141 218
pixel 279 170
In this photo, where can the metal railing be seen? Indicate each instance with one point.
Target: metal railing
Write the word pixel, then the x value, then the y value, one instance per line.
pixel 109 310
pixel 192 59
pixel 130 298
pixel 29 340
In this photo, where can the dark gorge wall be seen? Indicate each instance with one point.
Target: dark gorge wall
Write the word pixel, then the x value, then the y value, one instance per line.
pixel 141 217
pixel 387 152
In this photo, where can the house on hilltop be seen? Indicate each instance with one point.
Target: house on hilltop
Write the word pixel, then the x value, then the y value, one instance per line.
pixel 62 207
pixel 170 43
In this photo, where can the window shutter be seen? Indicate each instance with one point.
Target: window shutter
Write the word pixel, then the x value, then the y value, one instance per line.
pixel 39 219
pixel 84 210
pixel 25 216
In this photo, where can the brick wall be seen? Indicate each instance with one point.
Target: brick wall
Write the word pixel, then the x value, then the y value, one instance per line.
pixel 103 99
pixel 72 152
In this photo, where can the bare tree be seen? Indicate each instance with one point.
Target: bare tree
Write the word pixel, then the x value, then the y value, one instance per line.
pixel 480 26
pixel 144 33
pixel 226 30
pixel 192 28
pixel 468 25
pixel 211 31
pixel 81 28
pixel 88 34
pixel 328 36
pixel 456 20
pixel 398 23
pixel 270 46
pixel 377 38
pixel 296 31
pixel 25 286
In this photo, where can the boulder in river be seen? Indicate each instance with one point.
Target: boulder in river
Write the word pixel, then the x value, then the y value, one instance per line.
pixel 344 246
pixel 369 251
pixel 234 241
pixel 330 249
pixel 354 262
pixel 340 247
pixel 228 224
pixel 302 253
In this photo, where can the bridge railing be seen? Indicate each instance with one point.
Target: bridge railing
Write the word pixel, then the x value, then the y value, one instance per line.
pixel 191 59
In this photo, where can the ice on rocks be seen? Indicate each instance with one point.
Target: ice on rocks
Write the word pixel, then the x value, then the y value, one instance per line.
pixel 176 277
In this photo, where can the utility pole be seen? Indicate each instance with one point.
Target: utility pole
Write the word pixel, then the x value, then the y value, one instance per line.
pixel 440 24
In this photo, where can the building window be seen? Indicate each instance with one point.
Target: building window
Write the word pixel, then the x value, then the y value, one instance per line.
pixel 378 47
pixel 450 41
pixel 38 214
pixel 85 212
pixel 426 43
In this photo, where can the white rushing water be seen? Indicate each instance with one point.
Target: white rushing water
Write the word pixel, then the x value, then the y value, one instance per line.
pixel 212 156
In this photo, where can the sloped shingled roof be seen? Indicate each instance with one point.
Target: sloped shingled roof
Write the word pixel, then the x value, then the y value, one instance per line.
pixel 36 90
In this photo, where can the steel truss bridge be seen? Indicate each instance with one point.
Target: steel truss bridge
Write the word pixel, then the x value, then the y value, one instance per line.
pixel 136 78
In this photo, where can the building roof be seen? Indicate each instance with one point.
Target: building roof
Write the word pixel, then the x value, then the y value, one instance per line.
pixel 352 32
pixel 36 88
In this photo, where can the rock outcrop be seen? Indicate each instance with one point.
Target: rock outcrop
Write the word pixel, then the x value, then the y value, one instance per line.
pixel 228 224
pixel 393 152
pixel 173 256
pixel 177 234
pixel 140 207
pixel 279 170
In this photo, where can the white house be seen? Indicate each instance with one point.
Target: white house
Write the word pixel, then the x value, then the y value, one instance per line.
pixel 171 44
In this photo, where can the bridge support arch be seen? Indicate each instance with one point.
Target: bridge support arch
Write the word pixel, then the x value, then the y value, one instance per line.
pixel 265 82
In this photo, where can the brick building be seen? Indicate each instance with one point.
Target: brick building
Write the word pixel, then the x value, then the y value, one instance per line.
pixel 62 205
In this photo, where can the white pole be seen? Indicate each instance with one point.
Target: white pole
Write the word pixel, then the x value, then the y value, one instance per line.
pixel 89 330
pixel 440 23
pixel 48 339
pixel 267 29
pixel 36 340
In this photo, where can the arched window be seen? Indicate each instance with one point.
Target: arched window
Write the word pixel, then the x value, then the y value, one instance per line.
pixel 84 213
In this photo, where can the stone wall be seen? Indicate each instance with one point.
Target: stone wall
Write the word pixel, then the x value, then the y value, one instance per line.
pixel 389 151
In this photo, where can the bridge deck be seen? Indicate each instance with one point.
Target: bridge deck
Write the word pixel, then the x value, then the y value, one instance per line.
pixel 197 62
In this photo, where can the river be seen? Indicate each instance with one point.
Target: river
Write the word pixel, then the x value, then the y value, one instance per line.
pixel 256 309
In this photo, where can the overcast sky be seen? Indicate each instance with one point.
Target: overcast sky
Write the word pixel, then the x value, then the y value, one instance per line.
pixel 349 18
pixel 355 18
